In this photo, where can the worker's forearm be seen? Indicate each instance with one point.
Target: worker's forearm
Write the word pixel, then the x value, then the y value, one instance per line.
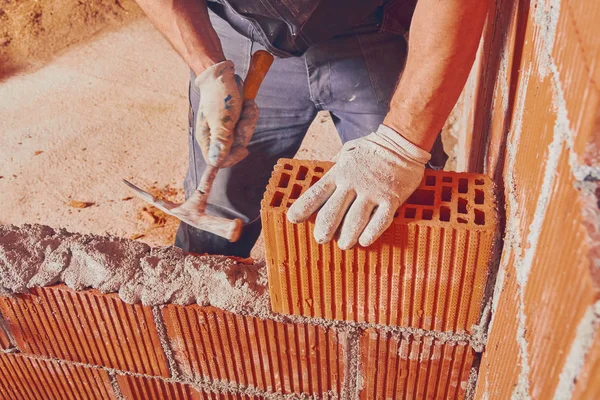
pixel 444 38
pixel 186 25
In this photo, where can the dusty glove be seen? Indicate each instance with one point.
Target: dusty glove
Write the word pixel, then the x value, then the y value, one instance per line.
pixel 372 177
pixel 225 123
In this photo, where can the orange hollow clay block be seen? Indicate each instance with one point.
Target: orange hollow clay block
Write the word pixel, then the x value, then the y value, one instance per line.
pixel 428 270
pixel 85 326
pixel 286 358
pixel 33 379
pixel 412 367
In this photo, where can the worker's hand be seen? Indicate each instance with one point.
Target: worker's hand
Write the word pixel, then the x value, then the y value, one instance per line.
pixel 372 177
pixel 225 122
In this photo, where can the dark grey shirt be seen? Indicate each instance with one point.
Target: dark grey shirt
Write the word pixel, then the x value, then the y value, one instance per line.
pixel 289 27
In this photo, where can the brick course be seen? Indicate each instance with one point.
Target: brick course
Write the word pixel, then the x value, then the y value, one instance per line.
pixel 209 343
pixel 32 379
pixel 412 367
pixel 85 326
pixel 142 388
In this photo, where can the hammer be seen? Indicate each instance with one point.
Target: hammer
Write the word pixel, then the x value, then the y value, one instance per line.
pixel 193 210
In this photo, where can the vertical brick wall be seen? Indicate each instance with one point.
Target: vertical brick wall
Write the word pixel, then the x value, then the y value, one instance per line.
pixel 428 270
pixel 537 117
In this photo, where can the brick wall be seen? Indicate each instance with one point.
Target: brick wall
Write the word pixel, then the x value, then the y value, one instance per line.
pixel 208 332
pixel 536 128
pixel 165 324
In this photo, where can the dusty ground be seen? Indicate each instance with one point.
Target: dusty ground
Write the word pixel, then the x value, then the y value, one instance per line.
pixel 111 108
pixel 32 31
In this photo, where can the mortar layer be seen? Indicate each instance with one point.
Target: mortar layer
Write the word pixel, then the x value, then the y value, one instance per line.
pixel 36 255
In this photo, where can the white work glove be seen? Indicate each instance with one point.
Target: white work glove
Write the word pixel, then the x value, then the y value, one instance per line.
pixel 225 123
pixel 371 179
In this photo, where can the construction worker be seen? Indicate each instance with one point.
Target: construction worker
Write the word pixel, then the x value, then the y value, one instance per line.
pixel 388 101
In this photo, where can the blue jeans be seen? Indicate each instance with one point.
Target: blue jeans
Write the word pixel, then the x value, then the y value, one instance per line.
pixel 353 77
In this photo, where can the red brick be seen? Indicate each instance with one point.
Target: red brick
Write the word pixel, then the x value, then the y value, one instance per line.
pixel 272 356
pixel 424 271
pixel 85 326
pixel 22 377
pixel 412 367
pixel 142 388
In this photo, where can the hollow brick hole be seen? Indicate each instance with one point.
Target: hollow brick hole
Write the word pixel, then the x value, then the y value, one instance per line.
pixel 410 213
pixel 288 167
pixel 296 190
pixel 479 217
pixel 427 214
pixel 301 175
pixel 479 197
pixel 284 180
pixel 445 213
pixel 446 193
pixel 430 180
pixel 422 197
pixel 277 199
pixel 462 205
pixel 463 185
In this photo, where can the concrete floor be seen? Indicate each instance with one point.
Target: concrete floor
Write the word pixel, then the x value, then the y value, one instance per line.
pixel 112 108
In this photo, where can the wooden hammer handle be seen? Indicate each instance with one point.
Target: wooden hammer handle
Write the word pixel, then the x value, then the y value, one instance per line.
pixel 259 66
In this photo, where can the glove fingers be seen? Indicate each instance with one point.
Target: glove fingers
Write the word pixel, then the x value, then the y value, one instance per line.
pixel 237 154
pixel 221 140
pixel 355 221
pixel 310 201
pixel 381 220
pixel 332 213
pixel 203 135
pixel 246 124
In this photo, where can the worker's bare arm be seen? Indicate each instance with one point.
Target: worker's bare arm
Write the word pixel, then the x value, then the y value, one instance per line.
pixel 186 25
pixel 444 37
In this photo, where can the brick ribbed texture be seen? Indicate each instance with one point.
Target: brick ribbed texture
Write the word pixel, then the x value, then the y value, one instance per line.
pixel 140 388
pixel 428 270
pixel 271 356
pixel 32 379
pixel 412 367
pixel 85 326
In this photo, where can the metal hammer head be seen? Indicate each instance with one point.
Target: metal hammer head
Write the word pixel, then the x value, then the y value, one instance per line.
pixel 192 212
